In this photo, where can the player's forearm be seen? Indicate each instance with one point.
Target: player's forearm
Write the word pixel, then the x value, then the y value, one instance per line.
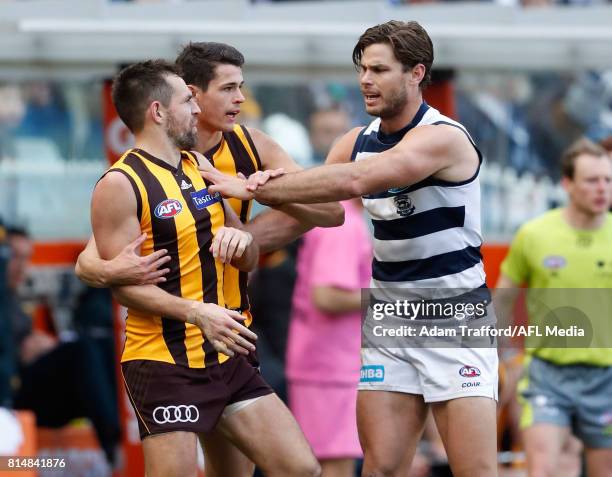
pixel 249 259
pixel 153 300
pixel 315 215
pixel 92 270
pixel 274 229
pixel 317 185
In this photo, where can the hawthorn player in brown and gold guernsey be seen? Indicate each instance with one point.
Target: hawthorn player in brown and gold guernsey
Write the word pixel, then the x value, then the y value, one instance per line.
pixel 213 72
pixel 176 398
pixel 163 193
pixel 233 154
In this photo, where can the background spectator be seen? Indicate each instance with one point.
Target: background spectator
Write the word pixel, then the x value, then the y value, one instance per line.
pixel 59 381
pixel 325 338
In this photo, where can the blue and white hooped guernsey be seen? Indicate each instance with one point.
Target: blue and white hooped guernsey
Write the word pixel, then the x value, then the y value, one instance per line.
pixel 426 235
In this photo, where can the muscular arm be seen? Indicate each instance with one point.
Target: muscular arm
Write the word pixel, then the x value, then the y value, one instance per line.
pixel 422 152
pixel 90 268
pixel 273 229
pixel 115 225
pixel 127 268
pixel 443 151
pixel 274 157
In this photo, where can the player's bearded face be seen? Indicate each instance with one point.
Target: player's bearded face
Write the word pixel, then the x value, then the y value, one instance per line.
pixel 394 102
pixel 182 133
pixel 383 81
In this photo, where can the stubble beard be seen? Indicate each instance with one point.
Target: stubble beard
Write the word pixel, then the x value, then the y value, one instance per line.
pixel 395 105
pixel 183 140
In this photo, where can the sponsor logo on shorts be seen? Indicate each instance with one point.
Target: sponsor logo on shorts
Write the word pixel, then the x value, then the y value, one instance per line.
pixel 469 371
pixel 471 384
pixel 202 199
pixel 372 374
pixel 174 414
pixel 168 209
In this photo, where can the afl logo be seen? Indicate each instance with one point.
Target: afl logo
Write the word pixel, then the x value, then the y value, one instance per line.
pixel 168 209
pixel 404 205
pixel 469 371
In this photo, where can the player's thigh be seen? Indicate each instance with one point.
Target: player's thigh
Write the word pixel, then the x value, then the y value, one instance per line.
pixel 268 434
pixel 171 454
pixel 390 425
pixel 223 458
pixel 468 429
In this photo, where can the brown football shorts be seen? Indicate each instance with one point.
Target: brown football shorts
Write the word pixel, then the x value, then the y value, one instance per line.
pixel 168 397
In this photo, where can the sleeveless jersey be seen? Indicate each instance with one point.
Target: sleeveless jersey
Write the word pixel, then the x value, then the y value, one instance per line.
pixel 236 153
pixel 178 214
pixel 426 235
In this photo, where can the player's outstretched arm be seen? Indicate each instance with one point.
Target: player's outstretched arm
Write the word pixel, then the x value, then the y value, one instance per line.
pixel 274 157
pixel 127 268
pixel 115 225
pixel 273 230
pixel 423 152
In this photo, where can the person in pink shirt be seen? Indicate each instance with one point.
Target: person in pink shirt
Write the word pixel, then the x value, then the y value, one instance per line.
pixel 323 351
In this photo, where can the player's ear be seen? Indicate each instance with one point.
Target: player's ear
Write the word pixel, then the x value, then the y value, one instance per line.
pixel 417 73
pixel 194 90
pixel 156 112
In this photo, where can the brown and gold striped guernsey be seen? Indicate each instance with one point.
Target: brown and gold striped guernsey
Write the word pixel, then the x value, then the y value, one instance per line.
pixel 179 215
pixel 236 153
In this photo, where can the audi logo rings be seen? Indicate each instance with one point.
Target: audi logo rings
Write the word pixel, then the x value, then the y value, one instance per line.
pixel 173 414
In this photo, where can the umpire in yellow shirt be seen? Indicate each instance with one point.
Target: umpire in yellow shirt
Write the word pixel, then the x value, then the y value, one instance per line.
pixel 565 258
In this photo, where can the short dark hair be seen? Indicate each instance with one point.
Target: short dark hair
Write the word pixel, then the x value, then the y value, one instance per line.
pixel 582 146
pixel 410 43
pixel 197 61
pixel 136 86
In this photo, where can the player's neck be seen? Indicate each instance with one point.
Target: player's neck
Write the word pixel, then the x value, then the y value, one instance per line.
pixel 160 146
pixel 207 139
pixel 581 220
pixel 401 120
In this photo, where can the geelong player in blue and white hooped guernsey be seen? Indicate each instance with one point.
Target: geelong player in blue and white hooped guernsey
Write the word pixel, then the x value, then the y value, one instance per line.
pixel 417 172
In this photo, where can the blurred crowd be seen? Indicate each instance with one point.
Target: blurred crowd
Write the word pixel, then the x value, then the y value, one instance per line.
pixel 521 122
